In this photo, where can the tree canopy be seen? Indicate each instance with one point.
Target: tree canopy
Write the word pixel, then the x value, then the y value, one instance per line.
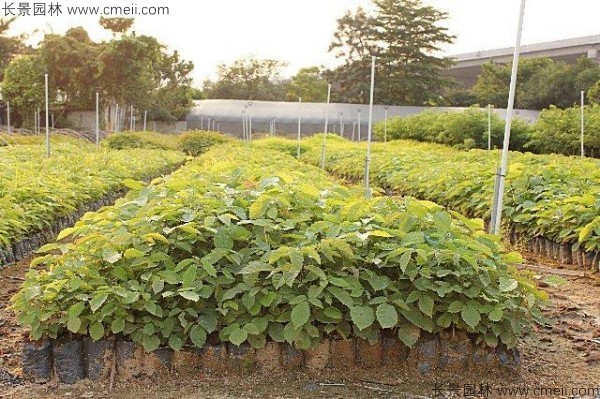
pixel 129 70
pixel 404 35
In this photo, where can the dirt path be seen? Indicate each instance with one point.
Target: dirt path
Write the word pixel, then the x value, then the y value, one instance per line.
pixel 560 356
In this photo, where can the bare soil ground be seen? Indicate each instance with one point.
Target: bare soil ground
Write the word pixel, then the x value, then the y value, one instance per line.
pixel 560 356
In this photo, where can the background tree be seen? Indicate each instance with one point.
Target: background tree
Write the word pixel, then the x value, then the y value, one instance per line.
pixel 24 85
pixel 404 35
pixel 248 79
pixel 9 45
pixel 309 84
pixel 116 25
pixel 542 82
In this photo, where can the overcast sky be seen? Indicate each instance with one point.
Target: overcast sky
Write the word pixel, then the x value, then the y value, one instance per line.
pixel 299 32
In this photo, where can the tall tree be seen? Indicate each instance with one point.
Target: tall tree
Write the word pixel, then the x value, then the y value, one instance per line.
pixel 248 79
pixel 404 35
pixel 9 45
pixel 309 84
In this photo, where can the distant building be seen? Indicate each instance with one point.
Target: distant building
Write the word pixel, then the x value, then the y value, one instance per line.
pixel 468 65
pixel 282 117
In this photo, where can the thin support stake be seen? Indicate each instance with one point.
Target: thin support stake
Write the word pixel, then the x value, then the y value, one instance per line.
pixel 47 121
pixel 582 123
pixel 369 132
pixel 509 113
pixel 326 126
pixel 299 125
pixel 97 119
pixel 489 127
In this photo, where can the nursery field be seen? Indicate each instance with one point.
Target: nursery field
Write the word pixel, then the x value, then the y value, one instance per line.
pixel 550 196
pixel 35 191
pixel 247 249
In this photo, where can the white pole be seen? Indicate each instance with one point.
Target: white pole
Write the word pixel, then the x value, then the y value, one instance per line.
pixel 243 125
pixel 47 122
pixel 341 124
pixel 116 127
pixel 582 123
pixel 145 119
pixel 134 122
pixel 326 126
pixel 353 129
pixel 509 112
pixel 250 124
pixel 489 127
pixel 97 118
pixel 131 118
pixel 369 132
pixel 201 122
pixel 8 116
pixel 385 125
pixel 299 124
pixel 359 125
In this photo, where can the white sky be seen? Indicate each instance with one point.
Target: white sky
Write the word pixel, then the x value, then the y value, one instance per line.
pixel 209 32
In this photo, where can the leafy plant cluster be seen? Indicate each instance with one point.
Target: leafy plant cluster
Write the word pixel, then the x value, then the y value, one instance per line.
pixel 464 129
pixel 250 245
pixel 553 196
pixel 195 143
pixel 35 190
pixel 126 140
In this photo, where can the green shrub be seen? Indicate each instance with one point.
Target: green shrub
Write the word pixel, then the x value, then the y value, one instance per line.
pixel 150 140
pixel 122 141
pixel 559 131
pixel 465 130
pixel 253 246
pixel 196 143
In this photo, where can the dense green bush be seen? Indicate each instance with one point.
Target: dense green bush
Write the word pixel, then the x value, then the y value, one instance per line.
pixel 559 131
pixel 150 140
pixel 250 245
pixel 195 143
pixel 466 129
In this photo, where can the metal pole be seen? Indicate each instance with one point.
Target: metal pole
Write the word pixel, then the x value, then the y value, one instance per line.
pixel 116 127
pixel 369 132
pixel 8 116
pixel 250 124
pixel 145 119
pixel 359 125
pixel 97 118
pixel 52 123
pixel 134 122
pixel 509 111
pixel 201 122
pixel 582 123
pixel 47 124
pixel 208 127
pixel 243 125
pixel 385 125
pixel 489 127
pixel 131 118
pixel 326 126
pixel 299 124
pixel 341 124
pixel 353 129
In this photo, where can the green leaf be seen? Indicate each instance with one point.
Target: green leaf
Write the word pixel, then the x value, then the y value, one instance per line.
pixel 455 307
pixel 508 284
pixel 175 342
pixel 150 343
pixel 333 313
pixel 96 331
pixel 198 336
pixel 496 315
pixel 445 320
pixel 238 336
pixel 409 334
pixel 362 316
pixel 387 316
pixel 74 324
pixel 471 316
pixel 75 310
pixel 190 295
pixel 222 239
pixel 111 256
pixel 132 253
pixel 117 325
pixel 426 305
pixel 98 301
pixel 300 314
pixel 342 295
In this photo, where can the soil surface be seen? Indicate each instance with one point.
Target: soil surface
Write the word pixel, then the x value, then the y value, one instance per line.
pixel 558 358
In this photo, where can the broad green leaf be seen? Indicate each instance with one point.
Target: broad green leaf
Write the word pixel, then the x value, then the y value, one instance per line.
pixel 238 336
pixel 496 315
pixel 175 342
pixel 97 301
pixel 362 316
pixel 198 336
pixel 409 334
pixel 426 305
pixel 96 331
pixel 300 314
pixel 471 316
pixel 387 316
